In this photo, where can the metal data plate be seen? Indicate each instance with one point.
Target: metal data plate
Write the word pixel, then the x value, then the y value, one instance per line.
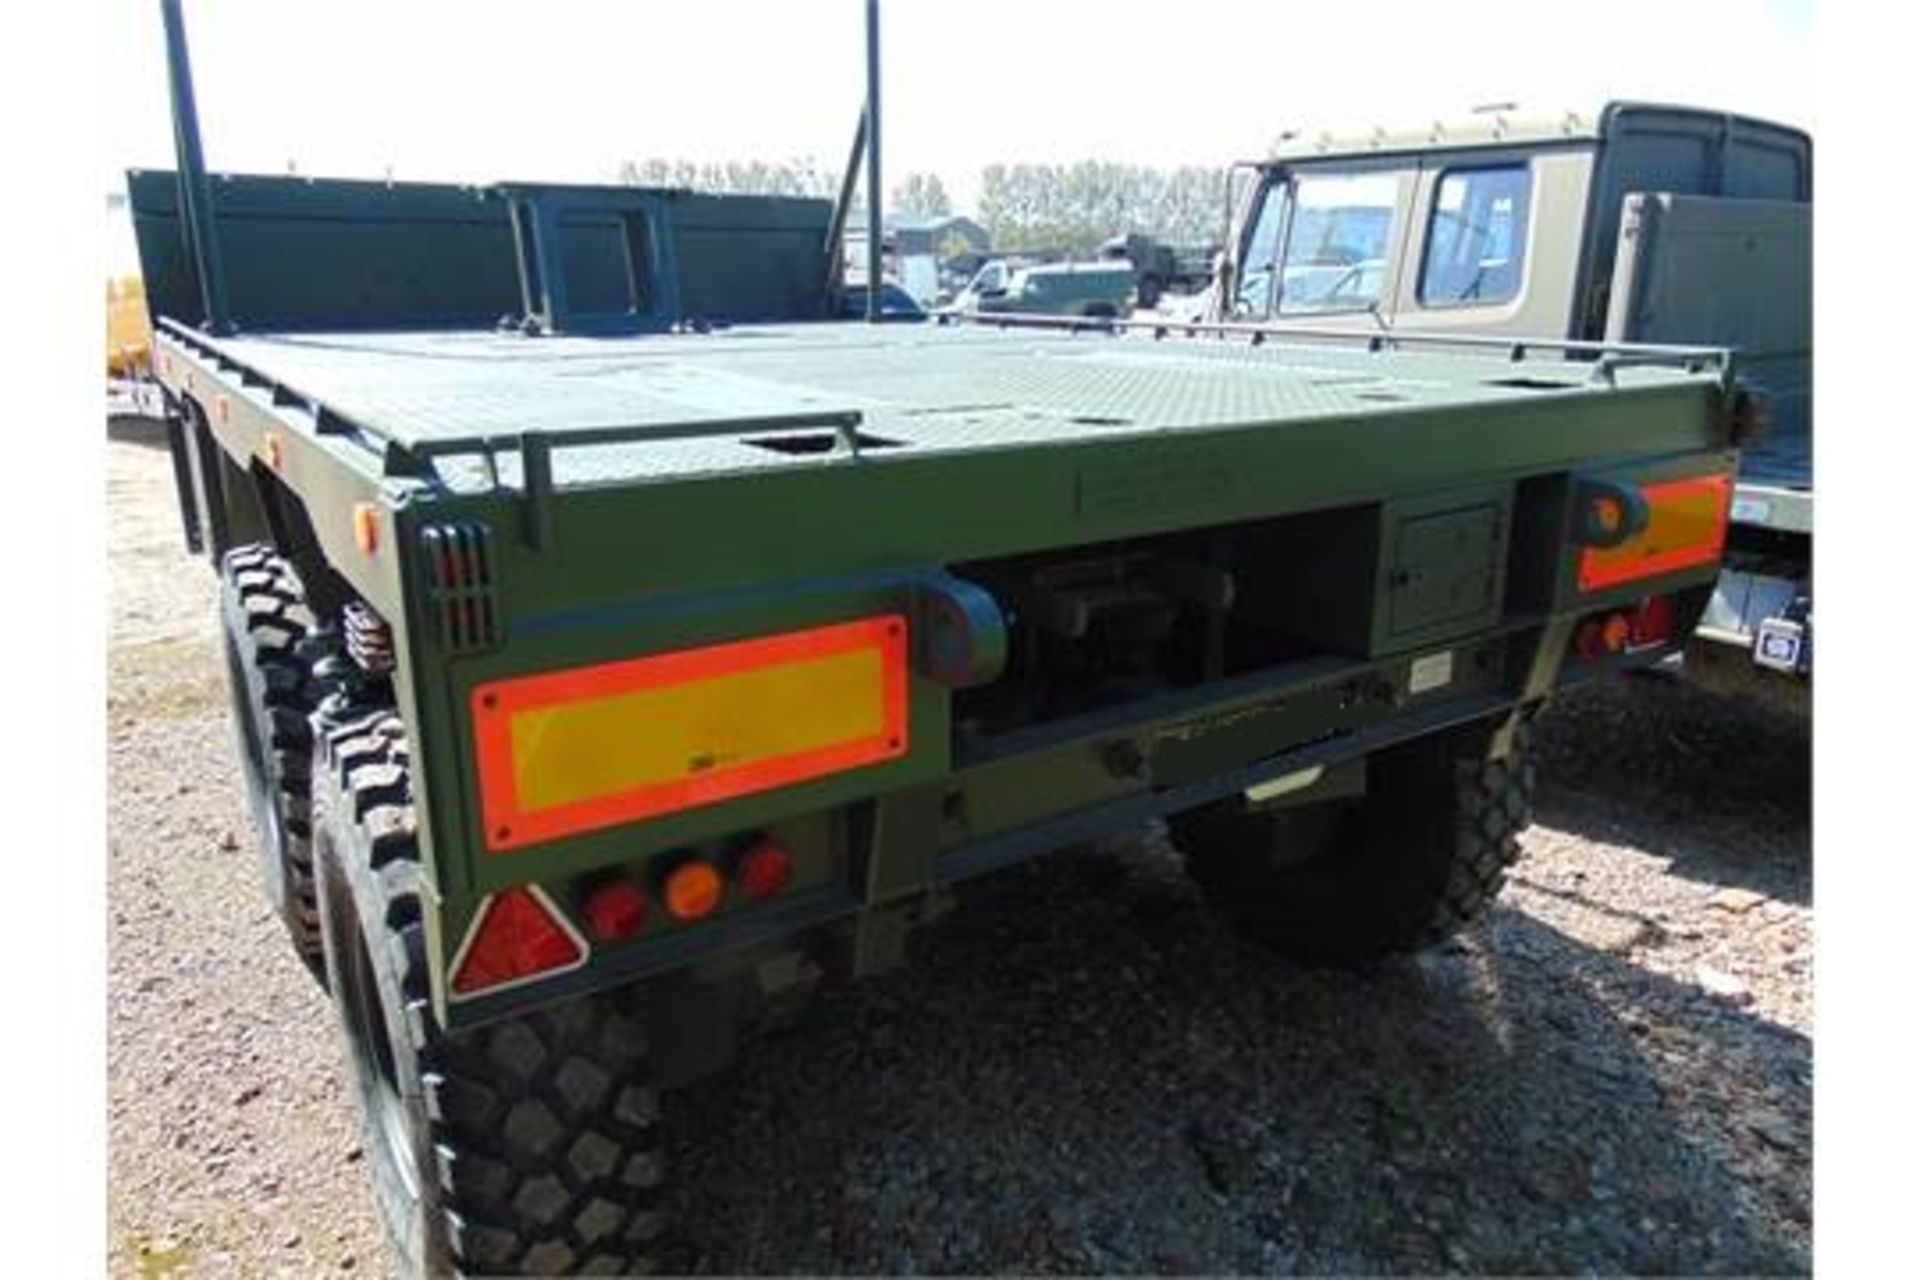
pixel 1779 645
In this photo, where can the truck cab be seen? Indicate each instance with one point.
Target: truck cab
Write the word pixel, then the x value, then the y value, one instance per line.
pixel 1632 223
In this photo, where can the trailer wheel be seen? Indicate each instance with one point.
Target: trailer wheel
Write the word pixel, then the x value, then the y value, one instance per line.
pixel 1415 860
pixel 528 1145
pixel 270 680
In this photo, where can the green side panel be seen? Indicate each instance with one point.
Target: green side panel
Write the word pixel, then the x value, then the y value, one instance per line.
pixel 332 253
pixel 310 254
pixel 751 258
pixel 1738 274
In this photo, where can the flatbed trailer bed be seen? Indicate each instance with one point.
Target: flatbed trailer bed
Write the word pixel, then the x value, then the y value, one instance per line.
pixel 458 407
pixel 949 388
pixel 640 485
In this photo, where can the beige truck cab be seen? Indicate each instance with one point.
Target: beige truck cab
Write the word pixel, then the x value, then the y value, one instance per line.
pixel 1635 222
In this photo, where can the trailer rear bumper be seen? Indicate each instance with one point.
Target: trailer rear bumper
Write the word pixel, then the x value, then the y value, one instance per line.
pixel 901 855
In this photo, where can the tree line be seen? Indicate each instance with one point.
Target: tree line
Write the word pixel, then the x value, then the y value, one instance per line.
pixel 1068 208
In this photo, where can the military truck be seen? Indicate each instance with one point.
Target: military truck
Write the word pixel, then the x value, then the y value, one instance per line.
pixel 620 644
pixel 1159 267
pixel 1633 223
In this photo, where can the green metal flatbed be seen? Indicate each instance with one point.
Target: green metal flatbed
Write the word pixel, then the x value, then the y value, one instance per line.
pixel 918 389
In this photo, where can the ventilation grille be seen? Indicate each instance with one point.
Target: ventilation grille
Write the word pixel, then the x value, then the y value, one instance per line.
pixel 458 562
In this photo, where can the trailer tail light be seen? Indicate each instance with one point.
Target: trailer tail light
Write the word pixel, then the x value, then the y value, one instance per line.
pixel 1651 624
pixel 693 890
pixel 1686 527
pixel 1647 625
pixel 516 935
pixel 589 747
pixel 1602 637
pixel 615 910
pixel 764 870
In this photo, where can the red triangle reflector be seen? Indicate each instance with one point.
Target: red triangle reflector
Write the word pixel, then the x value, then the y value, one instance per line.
pixel 518 935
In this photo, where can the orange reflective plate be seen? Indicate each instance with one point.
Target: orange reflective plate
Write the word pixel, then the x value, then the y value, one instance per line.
pixel 589 747
pixel 1686 526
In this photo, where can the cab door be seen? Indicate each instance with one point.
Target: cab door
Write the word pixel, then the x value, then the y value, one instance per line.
pixel 1493 243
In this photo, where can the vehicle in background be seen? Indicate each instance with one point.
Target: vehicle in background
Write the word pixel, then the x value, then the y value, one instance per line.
pixel 1093 289
pixel 895 303
pixel 915 274
pixel 1635 223
pixel 1161 268
pixel 129 339
pixel 990 279
pixel 131 393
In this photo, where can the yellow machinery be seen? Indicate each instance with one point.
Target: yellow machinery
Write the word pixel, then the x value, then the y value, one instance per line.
pixel 129 339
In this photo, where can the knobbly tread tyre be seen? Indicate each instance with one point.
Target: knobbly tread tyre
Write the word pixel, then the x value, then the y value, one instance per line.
pixel 270 631
pixel 534 1140
pixel 1422 858
pixel 1495 800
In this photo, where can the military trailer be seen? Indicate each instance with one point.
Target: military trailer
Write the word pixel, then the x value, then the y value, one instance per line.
pixel 1634 223
pixel 620 645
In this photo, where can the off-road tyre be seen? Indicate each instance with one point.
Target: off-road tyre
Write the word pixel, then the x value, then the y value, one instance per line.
pixel 1349 882
pixel 270 640
pixel 528 1145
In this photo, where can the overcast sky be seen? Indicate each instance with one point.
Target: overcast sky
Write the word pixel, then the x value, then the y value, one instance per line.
pixel 567 89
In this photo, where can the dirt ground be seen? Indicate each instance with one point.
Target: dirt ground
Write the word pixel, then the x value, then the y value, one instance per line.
pixel 1080 1071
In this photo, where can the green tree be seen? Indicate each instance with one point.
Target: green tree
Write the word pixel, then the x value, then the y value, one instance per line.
pixel 801 176
pixel 922 195
pixel 1072 208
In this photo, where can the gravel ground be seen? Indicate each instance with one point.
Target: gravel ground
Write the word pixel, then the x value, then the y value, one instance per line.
pixel 1081 1071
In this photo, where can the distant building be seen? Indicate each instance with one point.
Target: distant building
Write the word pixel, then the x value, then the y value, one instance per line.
pixel 911 249
pixel 905 234
pixel 931 235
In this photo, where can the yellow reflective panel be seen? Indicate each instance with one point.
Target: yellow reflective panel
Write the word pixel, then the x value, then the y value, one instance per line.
pixel 596 747
pixel 1686 525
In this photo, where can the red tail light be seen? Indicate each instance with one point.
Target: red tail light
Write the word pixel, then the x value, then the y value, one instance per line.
pixel 1651 623
pixel 615 910
pixel 765 869
pixel 516 935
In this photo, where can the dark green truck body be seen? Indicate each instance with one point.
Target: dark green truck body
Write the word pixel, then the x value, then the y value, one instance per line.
pixel 1131 570
pixel 1340 472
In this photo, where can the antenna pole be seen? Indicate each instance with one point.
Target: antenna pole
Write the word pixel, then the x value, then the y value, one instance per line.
pixel 196 196
pixel 874 194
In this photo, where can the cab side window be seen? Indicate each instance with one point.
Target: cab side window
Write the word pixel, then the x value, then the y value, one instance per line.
pixel 1477 237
